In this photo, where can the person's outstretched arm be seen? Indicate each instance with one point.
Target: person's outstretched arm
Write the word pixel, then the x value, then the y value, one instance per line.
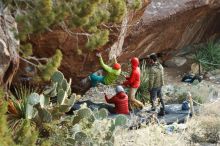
pixel 104 66
pixel 111 100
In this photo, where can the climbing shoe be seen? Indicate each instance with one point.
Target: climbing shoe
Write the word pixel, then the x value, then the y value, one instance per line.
pixel 161 113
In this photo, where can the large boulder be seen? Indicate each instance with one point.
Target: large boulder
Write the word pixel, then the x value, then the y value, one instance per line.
pixel 162 26
pixel 9 59
pixel 169 26
pixel 175 62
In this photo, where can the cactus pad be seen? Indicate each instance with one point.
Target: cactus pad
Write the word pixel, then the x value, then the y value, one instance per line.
pixel 103 113
pixel 61 95
pixel 64 108
pixel 44 115
pixel 42 100
pixel 65 84
pixel 33 99
pixel 120 120
pixel 29 111
pixel 80 136
pixel 71 141
pixel 84 113
pixel 57 77
pixel 76 120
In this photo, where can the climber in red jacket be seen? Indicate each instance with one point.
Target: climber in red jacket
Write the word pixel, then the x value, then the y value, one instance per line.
pixel 134 82
pixel 120 100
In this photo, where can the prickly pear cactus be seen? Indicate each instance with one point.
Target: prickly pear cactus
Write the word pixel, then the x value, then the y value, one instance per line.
pixel 80 136
pixel 84 113
pixel 52 91
pixel 71 141
pixel 57 77
pixel 61 95
pixel 33 99
pixel 65 84
pixel 120 120
pixel 93 127
pixel 60 88
pixel 29 111
pixel 44 115
pixel 101 114
pixel 108 144
pixel 64 108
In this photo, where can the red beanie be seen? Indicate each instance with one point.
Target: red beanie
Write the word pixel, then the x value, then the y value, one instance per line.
pixel 117 66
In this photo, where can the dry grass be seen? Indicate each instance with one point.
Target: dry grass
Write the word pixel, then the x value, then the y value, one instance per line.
pixel 201 129
pixel 152 135
pixel 205 128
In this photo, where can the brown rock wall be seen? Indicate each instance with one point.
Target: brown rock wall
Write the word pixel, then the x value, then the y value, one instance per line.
pixel 163 26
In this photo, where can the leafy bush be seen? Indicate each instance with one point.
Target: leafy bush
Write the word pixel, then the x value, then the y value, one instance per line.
pixel 209 56
pixel 142 92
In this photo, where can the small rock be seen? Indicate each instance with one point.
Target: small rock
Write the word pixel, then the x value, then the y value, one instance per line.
pixel 175 62
pixel 212 78
pixel 195 68
pixel 190 56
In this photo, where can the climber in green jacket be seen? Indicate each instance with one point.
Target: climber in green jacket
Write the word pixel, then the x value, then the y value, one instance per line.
pixel 156 82
pixel 112 73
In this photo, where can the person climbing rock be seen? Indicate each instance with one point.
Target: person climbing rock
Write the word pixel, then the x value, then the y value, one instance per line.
pixel 156 81
pixel 112 73
pixel 120 100
pixel 133 82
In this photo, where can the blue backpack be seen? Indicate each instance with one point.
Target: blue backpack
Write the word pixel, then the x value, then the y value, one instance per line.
pixel 185 105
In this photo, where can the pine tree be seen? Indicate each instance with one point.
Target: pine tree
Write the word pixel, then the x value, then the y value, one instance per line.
pixel 37 16
pixel 53 63
pixel 5 136
pixel 88 16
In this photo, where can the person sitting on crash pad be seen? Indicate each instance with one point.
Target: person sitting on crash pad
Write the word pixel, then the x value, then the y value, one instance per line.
pixel 120 100
pixel 133 82
pixel 112 73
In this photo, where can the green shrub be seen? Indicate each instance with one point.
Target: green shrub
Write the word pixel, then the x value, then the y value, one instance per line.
pixel 142 92
pixel 18 106
pixel 25 136
pixel 209 56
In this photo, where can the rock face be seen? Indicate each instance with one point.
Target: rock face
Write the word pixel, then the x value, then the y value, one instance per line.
pixel 168 26
pixel 164 26
pixel 9 60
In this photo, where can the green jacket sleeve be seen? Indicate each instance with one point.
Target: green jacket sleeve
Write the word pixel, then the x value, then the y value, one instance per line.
pixel 104 66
